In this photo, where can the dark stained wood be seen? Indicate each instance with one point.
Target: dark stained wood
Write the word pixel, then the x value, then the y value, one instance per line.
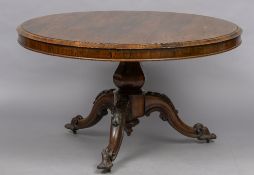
pixel 161 103
pixel 103 102
pixel 127 105
pixel 128 35
pixel 129 77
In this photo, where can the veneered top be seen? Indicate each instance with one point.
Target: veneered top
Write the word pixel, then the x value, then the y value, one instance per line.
pixel 128 35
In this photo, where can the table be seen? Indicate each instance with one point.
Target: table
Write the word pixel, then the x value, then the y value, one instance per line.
pixel 130 37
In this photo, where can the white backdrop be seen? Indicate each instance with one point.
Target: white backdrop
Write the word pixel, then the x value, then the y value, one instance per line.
pixel 40 93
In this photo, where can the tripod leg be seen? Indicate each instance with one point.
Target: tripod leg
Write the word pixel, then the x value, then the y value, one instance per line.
pixel 103 102
pixel 162 104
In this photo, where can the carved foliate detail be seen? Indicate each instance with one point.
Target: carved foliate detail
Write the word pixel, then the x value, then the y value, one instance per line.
pixel 102 103
pixel 129 125
pixel 103 93
pixel 74 124
pixel 107 158
pixel 116 120
pixel 129 103
pixel 203 132
pixel 161 103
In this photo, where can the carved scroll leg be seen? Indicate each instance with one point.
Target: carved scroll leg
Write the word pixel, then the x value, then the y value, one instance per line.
pixel 161 103
pixel 116 136
pixel 103 102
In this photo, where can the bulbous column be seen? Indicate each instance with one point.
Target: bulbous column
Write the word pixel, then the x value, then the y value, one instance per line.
pixel 129 77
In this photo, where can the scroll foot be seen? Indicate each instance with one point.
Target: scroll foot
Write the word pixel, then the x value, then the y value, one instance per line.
pixel 161 103
pixel 106 163
pixel 103 102
pixel 73 126
pixel 118 120
pixel 203 133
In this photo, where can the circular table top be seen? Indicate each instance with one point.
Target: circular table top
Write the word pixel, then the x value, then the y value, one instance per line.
pixel 128 35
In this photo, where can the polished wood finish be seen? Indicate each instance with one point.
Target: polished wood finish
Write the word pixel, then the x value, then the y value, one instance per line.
pixel 129 36
pixel 129 77
pixel 127 105
pixel 103 102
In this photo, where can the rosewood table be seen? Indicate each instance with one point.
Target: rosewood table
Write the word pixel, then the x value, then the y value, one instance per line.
pixel 130 37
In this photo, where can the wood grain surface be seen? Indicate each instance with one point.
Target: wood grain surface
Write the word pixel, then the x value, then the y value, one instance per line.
pixel 129 35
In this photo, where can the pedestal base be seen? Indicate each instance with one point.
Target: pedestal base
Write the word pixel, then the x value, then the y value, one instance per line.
pixel 127 105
